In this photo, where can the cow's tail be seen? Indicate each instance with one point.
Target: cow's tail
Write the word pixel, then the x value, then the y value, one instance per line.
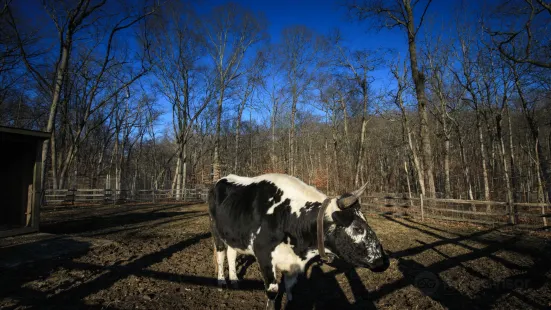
pixel 211 199
pixel 212 207
pixel 214 259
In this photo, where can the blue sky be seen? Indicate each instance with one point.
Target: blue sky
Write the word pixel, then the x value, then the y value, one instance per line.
pixel 326 15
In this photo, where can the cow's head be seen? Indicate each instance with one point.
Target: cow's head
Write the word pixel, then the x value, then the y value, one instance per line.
pixel 351 238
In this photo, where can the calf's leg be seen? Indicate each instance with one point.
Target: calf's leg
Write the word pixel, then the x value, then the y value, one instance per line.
pixel 290 281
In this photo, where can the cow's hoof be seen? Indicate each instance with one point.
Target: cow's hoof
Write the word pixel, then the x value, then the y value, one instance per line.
pixel 234 284
pixel 289 296
pixel 270 305
pixel 221 283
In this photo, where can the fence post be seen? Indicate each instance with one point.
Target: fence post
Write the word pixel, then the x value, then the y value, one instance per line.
pixel 511 209
pixel 543 216
pixel 74 196
pixel 153 193
pixel 422 209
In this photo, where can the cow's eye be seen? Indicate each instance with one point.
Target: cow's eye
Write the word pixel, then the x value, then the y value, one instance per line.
pixel 358 230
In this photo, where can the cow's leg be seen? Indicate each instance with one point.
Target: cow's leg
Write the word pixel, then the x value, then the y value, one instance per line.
pixel 290 281
pixel 232 256
pixel 220 257
pixel 220 253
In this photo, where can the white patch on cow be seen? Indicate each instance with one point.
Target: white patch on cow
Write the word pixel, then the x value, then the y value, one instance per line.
pixel 235 179
pixel 232 256
pixel 273 287
pixel 332 207
pixel 298 192
pixel 249 250
pixel 361 215
pixel 220 257
pixel 285 259
pixel 357 238
pixel 373 251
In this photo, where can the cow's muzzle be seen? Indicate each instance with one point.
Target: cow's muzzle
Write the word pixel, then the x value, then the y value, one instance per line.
pixel 380 264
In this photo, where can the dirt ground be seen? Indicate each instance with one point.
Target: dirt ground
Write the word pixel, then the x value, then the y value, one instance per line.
pixel 161 257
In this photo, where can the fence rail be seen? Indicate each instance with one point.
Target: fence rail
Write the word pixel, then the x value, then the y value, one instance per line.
pixel 475 211
pixel 94 195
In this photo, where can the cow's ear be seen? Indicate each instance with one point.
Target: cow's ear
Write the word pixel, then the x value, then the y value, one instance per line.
pixel 343 218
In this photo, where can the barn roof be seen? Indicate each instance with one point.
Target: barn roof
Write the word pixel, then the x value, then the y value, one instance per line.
pixel 25 132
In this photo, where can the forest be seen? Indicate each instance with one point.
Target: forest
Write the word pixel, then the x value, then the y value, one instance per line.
pixel 169 94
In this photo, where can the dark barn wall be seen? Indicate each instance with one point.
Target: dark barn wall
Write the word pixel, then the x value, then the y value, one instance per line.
pixel 16 174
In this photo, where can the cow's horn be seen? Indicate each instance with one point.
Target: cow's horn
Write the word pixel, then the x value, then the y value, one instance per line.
pixel 347 202
pixel 357 193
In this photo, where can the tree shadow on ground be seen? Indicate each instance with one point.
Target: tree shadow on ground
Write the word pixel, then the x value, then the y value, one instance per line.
pixel 73 298
pixel 429 281
pixel 101 222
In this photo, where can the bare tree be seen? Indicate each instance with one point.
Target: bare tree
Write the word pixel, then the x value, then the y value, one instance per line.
pixel 401 79
pixel 70 21
pixel 181 80
pixel 525 38
pixel 230 32
pixel 400 13
pixel 360 64
pixel 254 75
pixel 298 52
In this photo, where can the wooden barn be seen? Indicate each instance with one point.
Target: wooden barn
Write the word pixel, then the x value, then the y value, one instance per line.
pixel 20 173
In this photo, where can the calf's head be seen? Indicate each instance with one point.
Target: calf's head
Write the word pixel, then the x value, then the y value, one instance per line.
pixel 351 238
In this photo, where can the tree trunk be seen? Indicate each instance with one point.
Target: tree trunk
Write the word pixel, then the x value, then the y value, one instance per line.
pixel 484 157
pixel 512 158
pixel 179 178
pixel 292 131
pixel 184 170
pixel 175 179
pixel 466 173
pixel 216 156
pixel 544 164
pixel 273 125
pixel 505 163
pixel 335 155
pixel 236 151
pixel 407 179
pixel 240 110
pixel 361 143
pixel 447 185
pixel 406 130
pixel 327 160
pixel 61 72
pixel 53 151
pixel 419 81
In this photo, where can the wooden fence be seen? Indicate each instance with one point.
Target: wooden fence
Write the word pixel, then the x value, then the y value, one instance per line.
pixel 70 196
pixel 531 215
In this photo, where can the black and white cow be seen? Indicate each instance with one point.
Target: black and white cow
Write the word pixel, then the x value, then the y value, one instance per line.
pixel 274 217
